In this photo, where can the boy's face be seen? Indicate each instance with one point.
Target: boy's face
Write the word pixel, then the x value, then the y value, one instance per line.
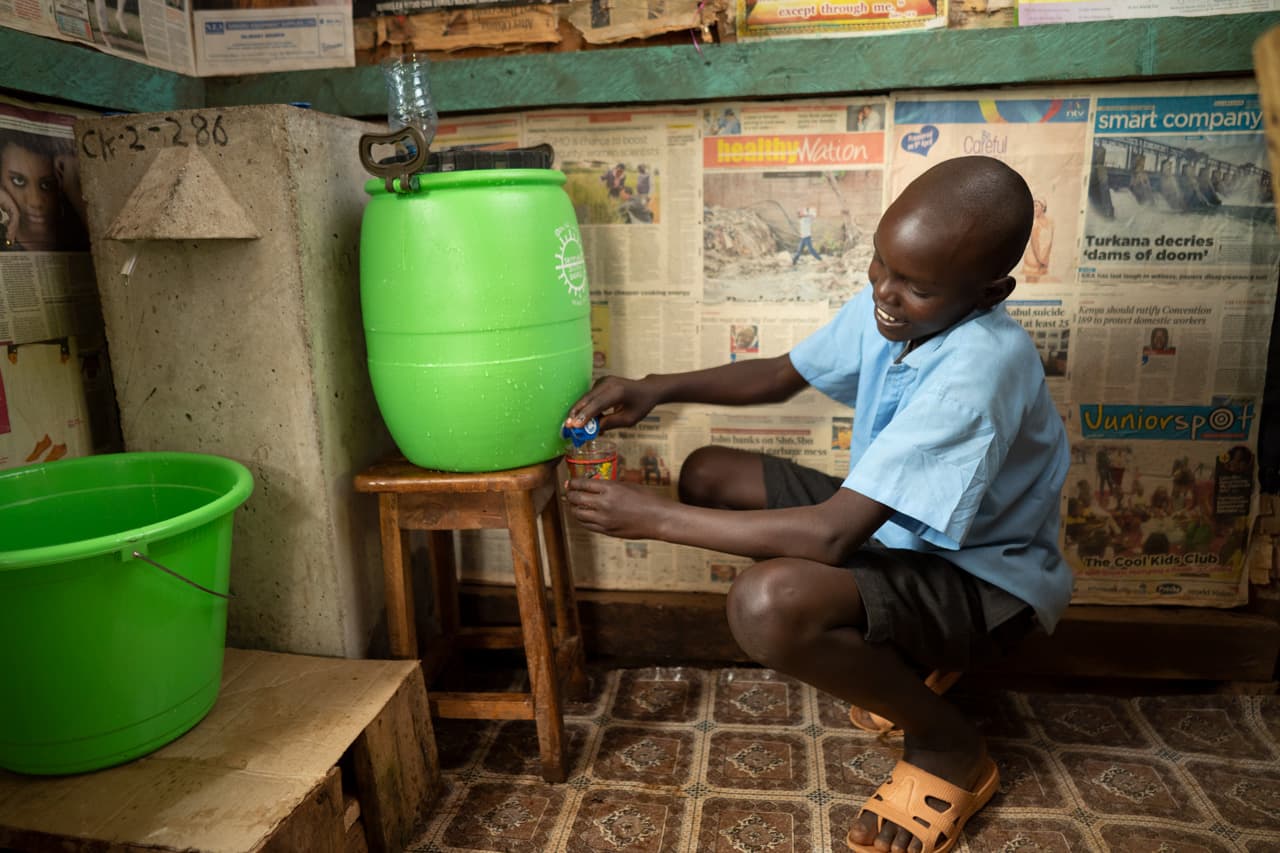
pixel 924 275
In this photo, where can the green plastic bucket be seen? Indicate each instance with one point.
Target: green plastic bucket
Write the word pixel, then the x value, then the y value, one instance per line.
pixel 105 655
pixel 473 290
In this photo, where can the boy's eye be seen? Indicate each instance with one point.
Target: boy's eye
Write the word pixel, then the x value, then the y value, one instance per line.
pixel 18 180
pixel 48 185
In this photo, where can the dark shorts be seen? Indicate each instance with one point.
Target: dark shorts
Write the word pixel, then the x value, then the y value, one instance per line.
pixel 938 615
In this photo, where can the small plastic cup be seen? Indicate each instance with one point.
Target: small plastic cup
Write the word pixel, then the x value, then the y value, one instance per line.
pixel 595 460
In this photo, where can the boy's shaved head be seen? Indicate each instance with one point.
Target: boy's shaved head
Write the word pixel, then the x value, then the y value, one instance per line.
pixel 978 204
pixel 946 245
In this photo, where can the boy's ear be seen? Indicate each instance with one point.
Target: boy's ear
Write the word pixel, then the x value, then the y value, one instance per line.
pixel 997 291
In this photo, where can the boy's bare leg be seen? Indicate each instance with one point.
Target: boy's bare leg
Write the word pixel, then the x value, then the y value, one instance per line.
pixel 807 620
pixel 723 478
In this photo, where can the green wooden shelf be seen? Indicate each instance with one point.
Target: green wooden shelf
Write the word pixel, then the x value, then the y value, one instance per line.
pixel 1111 50
pixel 36 67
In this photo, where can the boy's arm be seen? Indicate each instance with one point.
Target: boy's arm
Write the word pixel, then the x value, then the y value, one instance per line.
pixel 826 533
pixel 741 383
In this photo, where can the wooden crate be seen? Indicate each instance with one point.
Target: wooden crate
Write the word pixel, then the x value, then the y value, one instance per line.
pixel 298 754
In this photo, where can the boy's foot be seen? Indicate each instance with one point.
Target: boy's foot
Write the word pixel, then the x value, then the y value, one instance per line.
pixel 935 809
pixel 937 681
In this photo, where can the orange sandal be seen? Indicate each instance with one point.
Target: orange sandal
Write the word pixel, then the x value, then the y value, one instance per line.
pixel 939 682
pixel 903 800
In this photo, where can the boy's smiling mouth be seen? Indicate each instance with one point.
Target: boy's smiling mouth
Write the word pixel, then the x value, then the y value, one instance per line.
pixel 887 318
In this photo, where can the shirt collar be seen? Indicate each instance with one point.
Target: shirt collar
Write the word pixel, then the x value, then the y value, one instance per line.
pixel 920 353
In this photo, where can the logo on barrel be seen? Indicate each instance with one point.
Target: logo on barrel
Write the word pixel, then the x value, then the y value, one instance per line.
pixel 570 264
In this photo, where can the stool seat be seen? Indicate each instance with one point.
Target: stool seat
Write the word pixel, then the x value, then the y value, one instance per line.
pixel 440 502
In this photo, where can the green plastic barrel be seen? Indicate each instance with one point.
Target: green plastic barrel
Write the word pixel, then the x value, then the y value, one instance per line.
pixel 473 290
pixel 105 655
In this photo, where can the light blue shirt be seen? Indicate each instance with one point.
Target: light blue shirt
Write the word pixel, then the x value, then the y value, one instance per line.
pixel 961 439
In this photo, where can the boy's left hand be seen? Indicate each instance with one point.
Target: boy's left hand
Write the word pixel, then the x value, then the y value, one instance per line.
pixel 623 510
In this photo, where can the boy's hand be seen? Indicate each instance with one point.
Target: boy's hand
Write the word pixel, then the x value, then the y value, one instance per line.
pixel 617 402
pixel 615 509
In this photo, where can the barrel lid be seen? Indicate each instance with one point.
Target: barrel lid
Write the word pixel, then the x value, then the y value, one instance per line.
pixel 464 159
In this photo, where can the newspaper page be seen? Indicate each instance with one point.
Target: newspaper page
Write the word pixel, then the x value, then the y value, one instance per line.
pixel 1043 138
pixel 804 18
pixel 1033 12
pixel 1047 313
pixel 47 287
pixel 630 175
pixel 500 131
pixel 609 23
pixel 1158 502
pixel 1180 188
pixel 256 40
pixel 792 195
pixel 157 32
pixel 1165 344
pixel 1166 382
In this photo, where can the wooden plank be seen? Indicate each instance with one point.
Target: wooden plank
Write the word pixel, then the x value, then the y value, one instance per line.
pixel 1091 641
pixel 482 706
pixel 491 637
pixel 1105 50
pixel 396 768
pixel 56 69
pixel 316 825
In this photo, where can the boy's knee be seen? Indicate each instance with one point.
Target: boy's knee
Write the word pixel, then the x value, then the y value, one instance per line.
pixel 764 612
pixel 699 478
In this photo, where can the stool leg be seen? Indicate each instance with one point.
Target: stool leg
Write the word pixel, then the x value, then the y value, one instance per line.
pixel 538 650
pixel 439 648
pixel 568 626
pixel 397 580
pixel 444 571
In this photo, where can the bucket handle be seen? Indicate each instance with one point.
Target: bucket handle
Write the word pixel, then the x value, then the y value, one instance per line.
pixel 138 555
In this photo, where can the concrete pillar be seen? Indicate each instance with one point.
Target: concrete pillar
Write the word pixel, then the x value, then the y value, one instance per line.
pixel 225 242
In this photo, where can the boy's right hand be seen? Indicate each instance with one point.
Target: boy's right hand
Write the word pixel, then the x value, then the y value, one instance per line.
pixel 616 402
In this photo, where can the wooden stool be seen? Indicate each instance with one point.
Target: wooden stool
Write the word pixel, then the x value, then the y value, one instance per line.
pixel 413 498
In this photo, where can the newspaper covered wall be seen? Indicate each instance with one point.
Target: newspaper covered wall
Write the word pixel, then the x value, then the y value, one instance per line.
pixel 729 231
pixel 54 378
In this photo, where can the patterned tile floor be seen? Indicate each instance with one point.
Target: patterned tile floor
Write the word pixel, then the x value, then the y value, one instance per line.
pixel 748 761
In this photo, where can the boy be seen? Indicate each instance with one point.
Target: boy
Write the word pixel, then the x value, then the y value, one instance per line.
pixel 958 461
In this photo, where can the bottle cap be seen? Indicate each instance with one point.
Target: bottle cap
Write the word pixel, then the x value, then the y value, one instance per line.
pixel 581 435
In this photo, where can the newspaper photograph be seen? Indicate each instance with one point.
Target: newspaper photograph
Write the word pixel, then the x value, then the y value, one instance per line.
pixel 1042 138
pixel 47 287
pixel 156 32
pixel 1158 502
pixel 43 414
pixel 792 195
pixel 804 18
pixel 629 176
pixel 1180 188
